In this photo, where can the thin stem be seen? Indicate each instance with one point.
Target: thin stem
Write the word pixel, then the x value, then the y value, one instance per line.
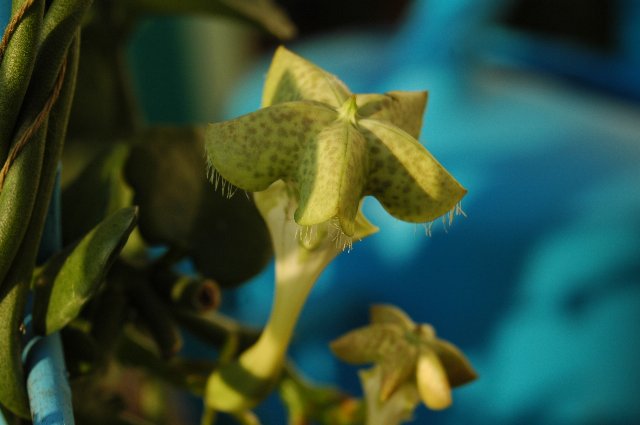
pixel 208 417
pixel 266 358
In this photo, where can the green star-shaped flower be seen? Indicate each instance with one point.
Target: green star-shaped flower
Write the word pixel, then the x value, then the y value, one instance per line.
pixel 334 147
pixel 406 352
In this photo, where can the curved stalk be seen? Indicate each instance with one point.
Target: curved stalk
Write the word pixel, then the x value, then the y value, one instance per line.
pixel 293 284
pixel 244 383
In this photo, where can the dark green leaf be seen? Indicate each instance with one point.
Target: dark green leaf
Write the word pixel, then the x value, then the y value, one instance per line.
pixel 226 238
pixel 99 190
pixel 74 280
pixel 264 13
pixel 13 394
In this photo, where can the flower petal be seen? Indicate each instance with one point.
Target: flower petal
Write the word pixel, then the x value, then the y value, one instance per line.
pixel 332 177
pixel 370 344
pixel 433 385
pixel 291 77
pixel 396 371
pixel 254 150
pixel 390 314
pixel 363 226
pixel 458 368
pixel 404 109
pixel 407 180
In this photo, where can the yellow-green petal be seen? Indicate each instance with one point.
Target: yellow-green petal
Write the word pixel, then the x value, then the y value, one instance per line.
pixel 397 370
pixel 291 78
pixel 432 382
pixel 371 343
pixel 254 150
pixel 392 315
pixel 363 226
pixel 332 177
pixel 458 368
pixel 404 109
pixel 407 180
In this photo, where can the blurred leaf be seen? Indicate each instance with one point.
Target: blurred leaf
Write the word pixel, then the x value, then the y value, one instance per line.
pixel 226 238
pixel 153 312
pixel 135 350
pixel 264 13
pixel 81 352
pixel 102 76
pixel 99 190
pixel 65 285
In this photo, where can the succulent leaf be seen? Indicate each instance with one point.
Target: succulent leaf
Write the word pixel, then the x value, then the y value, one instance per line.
pixel 226 238
pixel 82 271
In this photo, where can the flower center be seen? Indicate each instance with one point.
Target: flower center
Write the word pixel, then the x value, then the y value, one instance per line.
pixel 349 110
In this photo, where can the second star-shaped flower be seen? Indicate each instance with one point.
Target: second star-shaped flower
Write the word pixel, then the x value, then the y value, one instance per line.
pixel 334 148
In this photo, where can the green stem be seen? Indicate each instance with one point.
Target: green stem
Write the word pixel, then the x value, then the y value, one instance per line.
pixel 265 358
pixel 16 68
pixel 17 199
pixel 18 196
pixel 208 417
pixel 243 384
pixel 12 392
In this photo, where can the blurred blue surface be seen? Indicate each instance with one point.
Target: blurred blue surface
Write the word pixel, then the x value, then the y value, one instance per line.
pixel 540 285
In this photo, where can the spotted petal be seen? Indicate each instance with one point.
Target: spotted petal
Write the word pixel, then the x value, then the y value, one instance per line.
pixel 372 343
pixel 332 177
pixel 409 183
pixel 291 77
pixel 404 109
pixel 254 150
